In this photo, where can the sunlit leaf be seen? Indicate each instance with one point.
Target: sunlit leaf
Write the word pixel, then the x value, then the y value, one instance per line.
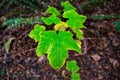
pixel 56 46
pixel 74 19
pixel 67 6
pixel 67 41
pixel 57 54
pixel 72 66
pixel 79 33
pixel 53 19
pixel 46 39
pixel 36 32
pixel 79 44
pixel 52 10
pixel 75 76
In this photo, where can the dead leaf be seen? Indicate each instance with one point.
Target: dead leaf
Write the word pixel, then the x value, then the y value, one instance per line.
pixel 114 63
pixel 96 57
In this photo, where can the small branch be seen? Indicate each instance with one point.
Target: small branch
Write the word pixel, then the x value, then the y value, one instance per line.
pixel 92 38
pixel 85 47
pixel 28 50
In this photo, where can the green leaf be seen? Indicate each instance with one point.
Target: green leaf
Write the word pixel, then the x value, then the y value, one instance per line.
pixel 67 41
pixel 74 19
pixel 52 10
pixel 57 55
pixel 67 6
pixel 46 39
pixel 51 19
pixel 72 66
pixel 79 33
pixel 56 46
pixel 117 25
pixel 75 76
pixel 36 32
pixel 79 44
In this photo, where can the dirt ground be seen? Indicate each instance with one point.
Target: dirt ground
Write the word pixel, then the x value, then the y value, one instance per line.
pixel 100 59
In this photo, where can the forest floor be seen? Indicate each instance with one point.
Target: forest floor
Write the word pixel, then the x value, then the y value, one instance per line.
pixel 100 59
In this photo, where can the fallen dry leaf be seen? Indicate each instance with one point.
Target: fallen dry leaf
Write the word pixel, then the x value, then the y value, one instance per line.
pixel 96 57
pixel 114 63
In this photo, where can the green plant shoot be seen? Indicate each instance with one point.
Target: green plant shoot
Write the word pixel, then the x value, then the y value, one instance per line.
pixel 73 67
pixel 56 43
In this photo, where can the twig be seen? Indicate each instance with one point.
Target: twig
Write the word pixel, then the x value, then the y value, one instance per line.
pixel 92 38
pixel 85 47
pixel 28 50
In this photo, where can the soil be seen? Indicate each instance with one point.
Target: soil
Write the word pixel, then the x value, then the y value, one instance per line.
pixel 100 58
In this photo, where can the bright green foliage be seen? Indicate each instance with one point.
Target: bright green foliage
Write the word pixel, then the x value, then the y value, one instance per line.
pixel 46 40
pixel 79 33
pixel 57 55
pixel 56 43
pixel 72 66
pixel 67 6
pixel 56 46
pixel 74 19
pixel 51 19
pixel 52 10
pixel 75 76
pixel 79 44
pixel 67 41
pixel 117 25
pixel 36 32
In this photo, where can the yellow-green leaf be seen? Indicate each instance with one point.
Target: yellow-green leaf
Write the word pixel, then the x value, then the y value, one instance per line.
pixel 52 10
pixel 67 6
pixel 79 33
pixel 72 66
pixel 45 43
pixel 61 26
pixel 56 46
pixel 75 76
pixel 74 19
pixel 53 19
pixel 36 32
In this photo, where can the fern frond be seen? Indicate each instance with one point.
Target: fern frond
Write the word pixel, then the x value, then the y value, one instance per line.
pixel 16 22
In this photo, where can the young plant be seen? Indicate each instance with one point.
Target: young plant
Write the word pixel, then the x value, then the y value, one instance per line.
pixel 74 68
pixel 56 43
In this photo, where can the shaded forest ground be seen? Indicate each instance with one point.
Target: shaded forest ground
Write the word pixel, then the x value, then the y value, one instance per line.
pixel 101 50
